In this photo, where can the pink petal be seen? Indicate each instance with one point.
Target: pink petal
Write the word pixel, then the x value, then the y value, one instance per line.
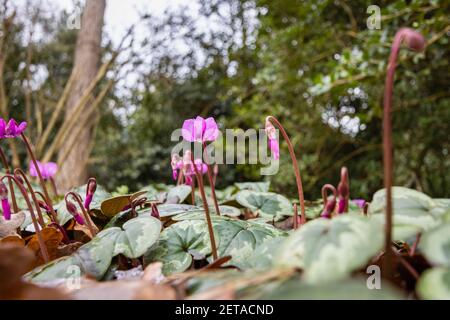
pixel 2 128
pixel 199 129
pixel 341 206
pixel 88 200
pixel 21 128
pixel 11 128
pixel 33 171
pixel 50 169
pixel 79 219
pixel 211 130
pixel 6 209
pixel 187 131
pixel 175 174
pixel 275 148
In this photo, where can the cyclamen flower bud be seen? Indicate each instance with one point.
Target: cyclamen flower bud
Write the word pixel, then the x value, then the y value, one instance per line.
pixel 5 203
pixel 73 211
pixel 90 190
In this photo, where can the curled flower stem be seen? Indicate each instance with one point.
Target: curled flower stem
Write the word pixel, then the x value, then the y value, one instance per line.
pixel 83 210
pixel 298 179
pixel 41 180
pixel 19 173
pixel 6 166
pixel 41 242
pixel 415 41
pixel 205 206
pixel 328 206
pixel 211 182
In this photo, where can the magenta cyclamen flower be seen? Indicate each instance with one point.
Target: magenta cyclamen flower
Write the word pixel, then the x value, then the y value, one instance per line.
pixel 359 202
pixel 200 130
pixel 5 203
pixel 12 129
pixel 177 164
pixel 188 167
pixel 48 170
pixel 90 190
pixel 273 141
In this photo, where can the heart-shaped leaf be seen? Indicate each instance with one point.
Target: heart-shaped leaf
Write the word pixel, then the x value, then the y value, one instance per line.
pixel 178 194
pixel 137 236
pixel 112 206
pixel 233 237
pixel 435 245
pixel 330 249
pixel 253 186
pixel 175 243
pixel 413 211
pixel 199 213
pixel 94 258
pixel 265 203
pixel 434 284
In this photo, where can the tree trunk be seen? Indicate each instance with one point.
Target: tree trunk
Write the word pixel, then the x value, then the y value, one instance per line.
pixel 73 171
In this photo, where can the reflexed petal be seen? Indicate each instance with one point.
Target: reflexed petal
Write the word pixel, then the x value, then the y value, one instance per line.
pixel 6 209
pixel 341 205
pixel 33 171
pixel 50 169
pixel 211 130
pixel 275 148
pixel 359 202
pixel 2 128
pixel 199 129
pixel 187 131
pixel 21 128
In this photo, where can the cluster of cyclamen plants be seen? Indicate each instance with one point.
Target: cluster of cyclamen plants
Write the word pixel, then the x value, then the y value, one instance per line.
pixel 190 171
pixel 43 172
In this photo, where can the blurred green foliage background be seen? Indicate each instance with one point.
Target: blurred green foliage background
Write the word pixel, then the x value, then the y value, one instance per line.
pixel 314 65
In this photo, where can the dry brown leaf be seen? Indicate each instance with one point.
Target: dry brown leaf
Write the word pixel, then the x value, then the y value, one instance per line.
pixel 52 238
pixel 14 262
pixel 112 206
pixel 68 249
pixel 9 227
pixel 16 239
pixel 153 273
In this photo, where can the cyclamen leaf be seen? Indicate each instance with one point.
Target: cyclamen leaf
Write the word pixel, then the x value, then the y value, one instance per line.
pixel 330 249
pixel 253 186
pixel 413 211
pixel 434 284
pixel 435 245
pixel 265 203
pixel 94 258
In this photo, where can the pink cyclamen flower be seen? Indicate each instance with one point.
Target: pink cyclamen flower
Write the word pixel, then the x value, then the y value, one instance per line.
pixel 273 141
pixel 359 202
pixel 200 130
pixel 5 203
pixel 12 129
pixel 188 167
pixel 48 170
pixel 177 164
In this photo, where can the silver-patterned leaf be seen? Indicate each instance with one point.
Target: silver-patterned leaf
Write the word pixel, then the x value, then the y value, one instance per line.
pixel 265 203
pixel 330 249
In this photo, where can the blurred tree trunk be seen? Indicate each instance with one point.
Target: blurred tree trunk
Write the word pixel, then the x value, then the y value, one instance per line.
pixel 73 171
